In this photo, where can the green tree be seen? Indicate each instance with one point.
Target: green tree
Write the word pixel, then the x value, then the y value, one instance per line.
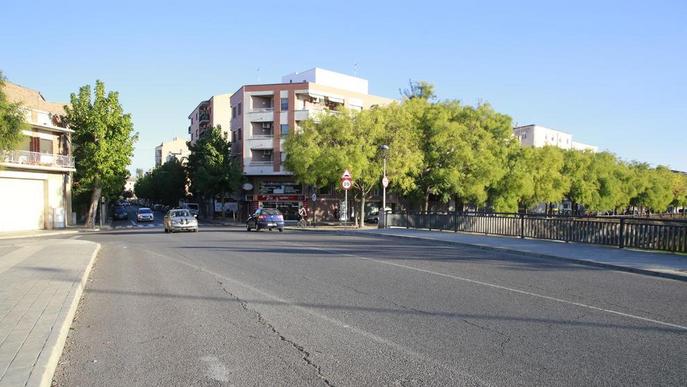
pixel 11 120
pixel 510 193
pixel 545 167
pixel 679 190
pixel 325 147
pixel 103 143
pixel 418 90
pixel 212 170
pixel 578 167
pixel 165 184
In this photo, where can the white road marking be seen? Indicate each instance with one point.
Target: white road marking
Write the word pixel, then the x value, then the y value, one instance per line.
pixel 495 286
pixel 216 369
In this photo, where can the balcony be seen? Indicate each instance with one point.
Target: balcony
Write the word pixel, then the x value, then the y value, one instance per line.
pixel 22 158
pixel 203 116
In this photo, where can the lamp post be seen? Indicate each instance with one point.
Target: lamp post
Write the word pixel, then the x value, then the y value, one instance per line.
pixel 381 222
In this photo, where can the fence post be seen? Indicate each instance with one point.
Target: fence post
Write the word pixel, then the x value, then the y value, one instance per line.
pixel 429 221
pixel 522 226
pixel 407 220
pixel 455 221
pixel 621 239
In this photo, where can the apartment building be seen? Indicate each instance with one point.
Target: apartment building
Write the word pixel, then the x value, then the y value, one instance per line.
pixel 36 177
pixel 209 113
pixel 262 116
pixel 538 136
pixel 166 151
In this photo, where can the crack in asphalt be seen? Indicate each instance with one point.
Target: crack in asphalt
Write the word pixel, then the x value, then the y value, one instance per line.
pixel 305 355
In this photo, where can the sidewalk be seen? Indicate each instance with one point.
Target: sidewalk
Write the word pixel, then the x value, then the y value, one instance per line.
pixel 36 233
pixel 41 281
pixel 654 263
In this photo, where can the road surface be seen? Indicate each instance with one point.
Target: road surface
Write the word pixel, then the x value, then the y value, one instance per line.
pixel 228 307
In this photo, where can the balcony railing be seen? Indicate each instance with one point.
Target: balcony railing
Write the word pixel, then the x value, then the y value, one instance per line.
pixel 204 117
pixel 261 109
pixel 261 162
pixel 22 157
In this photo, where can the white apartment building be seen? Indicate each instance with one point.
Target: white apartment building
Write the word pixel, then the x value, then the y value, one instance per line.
pixel 538 136
pixel 213 112
pixel 36 176
pixel 263 115
pixel 176 148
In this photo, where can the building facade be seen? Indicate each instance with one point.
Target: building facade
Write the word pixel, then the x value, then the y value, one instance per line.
pixel 262 116
pixel 36 177
pixel 176 148
pixel 538 136
pixel 212 112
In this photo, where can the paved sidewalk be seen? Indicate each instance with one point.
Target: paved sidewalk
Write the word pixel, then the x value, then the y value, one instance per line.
pixel 36 233
pixel 41 281
pixel 655 263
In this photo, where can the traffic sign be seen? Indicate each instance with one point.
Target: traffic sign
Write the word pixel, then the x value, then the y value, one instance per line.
pixel 385 181
pixel 313 197
pixel 346 175
pixel 346 184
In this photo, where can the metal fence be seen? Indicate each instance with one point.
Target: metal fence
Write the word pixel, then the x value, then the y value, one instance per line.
pixel 641 233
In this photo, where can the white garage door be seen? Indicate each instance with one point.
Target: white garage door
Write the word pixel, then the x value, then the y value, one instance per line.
pixel 21 204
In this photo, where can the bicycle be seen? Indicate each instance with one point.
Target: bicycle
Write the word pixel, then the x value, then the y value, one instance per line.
pixel 303 222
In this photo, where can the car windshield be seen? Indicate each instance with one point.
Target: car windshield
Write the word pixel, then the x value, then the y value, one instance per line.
pixel 144 211
pixel 179 213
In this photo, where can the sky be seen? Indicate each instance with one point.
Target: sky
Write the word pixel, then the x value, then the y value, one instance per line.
pixel 612 73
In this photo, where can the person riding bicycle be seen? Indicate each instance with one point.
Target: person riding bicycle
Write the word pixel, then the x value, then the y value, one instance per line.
pixel 303 213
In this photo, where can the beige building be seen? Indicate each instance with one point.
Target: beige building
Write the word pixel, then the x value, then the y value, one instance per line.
pixel 263 115
pixel 176 148
pixel 36 177
pixel 212 112
pixel 538 136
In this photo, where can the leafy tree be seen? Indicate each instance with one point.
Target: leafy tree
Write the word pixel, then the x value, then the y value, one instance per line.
pixel 11 120
pixel 103 143
pixel 679 190
pixel 510 192
pixel 660 193
pixel 419 90
pixel 545 166
pixel 211 168
pixel 578 166
pixel 350 140
pixel 165 184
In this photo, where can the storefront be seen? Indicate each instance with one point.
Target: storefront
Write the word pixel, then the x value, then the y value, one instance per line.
pixel 287 204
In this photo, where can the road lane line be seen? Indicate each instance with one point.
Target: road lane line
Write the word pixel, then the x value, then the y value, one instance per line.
pixel 495 286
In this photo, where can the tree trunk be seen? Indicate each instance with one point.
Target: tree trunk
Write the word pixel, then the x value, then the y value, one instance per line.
pixel 93 207
pixel 426 206
pixel 224 198
pixel 362 210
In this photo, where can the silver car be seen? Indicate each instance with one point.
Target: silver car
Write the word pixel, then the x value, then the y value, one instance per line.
pixel 180 220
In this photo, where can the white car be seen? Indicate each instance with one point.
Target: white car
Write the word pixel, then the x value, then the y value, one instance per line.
pixel 144 214
pixel 180 220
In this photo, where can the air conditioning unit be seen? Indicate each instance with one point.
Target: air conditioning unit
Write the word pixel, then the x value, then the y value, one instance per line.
pixel 267 125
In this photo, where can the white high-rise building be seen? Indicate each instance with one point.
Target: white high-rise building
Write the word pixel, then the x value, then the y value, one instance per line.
pixel 538 136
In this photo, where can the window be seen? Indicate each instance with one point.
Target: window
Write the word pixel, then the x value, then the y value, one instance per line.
pixel 239 133
pixel 284 129
pixel 233 112
pixel 284 104
pixel 239 108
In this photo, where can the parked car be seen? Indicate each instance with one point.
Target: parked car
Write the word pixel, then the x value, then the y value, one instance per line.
pixel 120 213
pixel 373 216
pixel 192 207
pixel 268 218
pixel 144 214
pixel 180 219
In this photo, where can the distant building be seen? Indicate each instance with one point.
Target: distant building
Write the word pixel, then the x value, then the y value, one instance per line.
pixel 262 116
pixel 538 136
pixel 36 177
pixel 212 112
pixel 176 148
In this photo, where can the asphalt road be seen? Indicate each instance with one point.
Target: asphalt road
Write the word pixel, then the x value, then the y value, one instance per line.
pixel 227 307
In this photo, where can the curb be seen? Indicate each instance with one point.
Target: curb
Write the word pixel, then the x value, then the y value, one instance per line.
pixel 628 269
pixel 58 337
pixel 39 235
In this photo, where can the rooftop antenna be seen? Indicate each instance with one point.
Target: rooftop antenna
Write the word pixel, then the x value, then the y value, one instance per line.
pixel 355 69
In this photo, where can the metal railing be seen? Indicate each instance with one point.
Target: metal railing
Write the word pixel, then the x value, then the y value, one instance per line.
pixel 22 157
pixel 261 110
pixel 261 162
pixel 641 233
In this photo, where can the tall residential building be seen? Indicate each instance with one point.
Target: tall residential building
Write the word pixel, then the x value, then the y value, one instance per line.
pixel 176 148
pixel 36 177
pixel 263 115
pixel 538 136
pixel 212 112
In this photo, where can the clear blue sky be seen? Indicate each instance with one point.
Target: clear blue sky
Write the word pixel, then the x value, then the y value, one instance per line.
pixel 612 73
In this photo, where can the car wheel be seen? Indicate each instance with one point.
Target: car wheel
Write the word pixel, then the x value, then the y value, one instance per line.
pixel 248 228
pixel 281 230
pixel 166 230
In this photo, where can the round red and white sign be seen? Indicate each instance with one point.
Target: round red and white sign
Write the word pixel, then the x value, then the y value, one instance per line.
pixel 346 184
pixel 385 181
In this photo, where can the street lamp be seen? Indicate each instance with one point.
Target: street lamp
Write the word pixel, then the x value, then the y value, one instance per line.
pixel 381 222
